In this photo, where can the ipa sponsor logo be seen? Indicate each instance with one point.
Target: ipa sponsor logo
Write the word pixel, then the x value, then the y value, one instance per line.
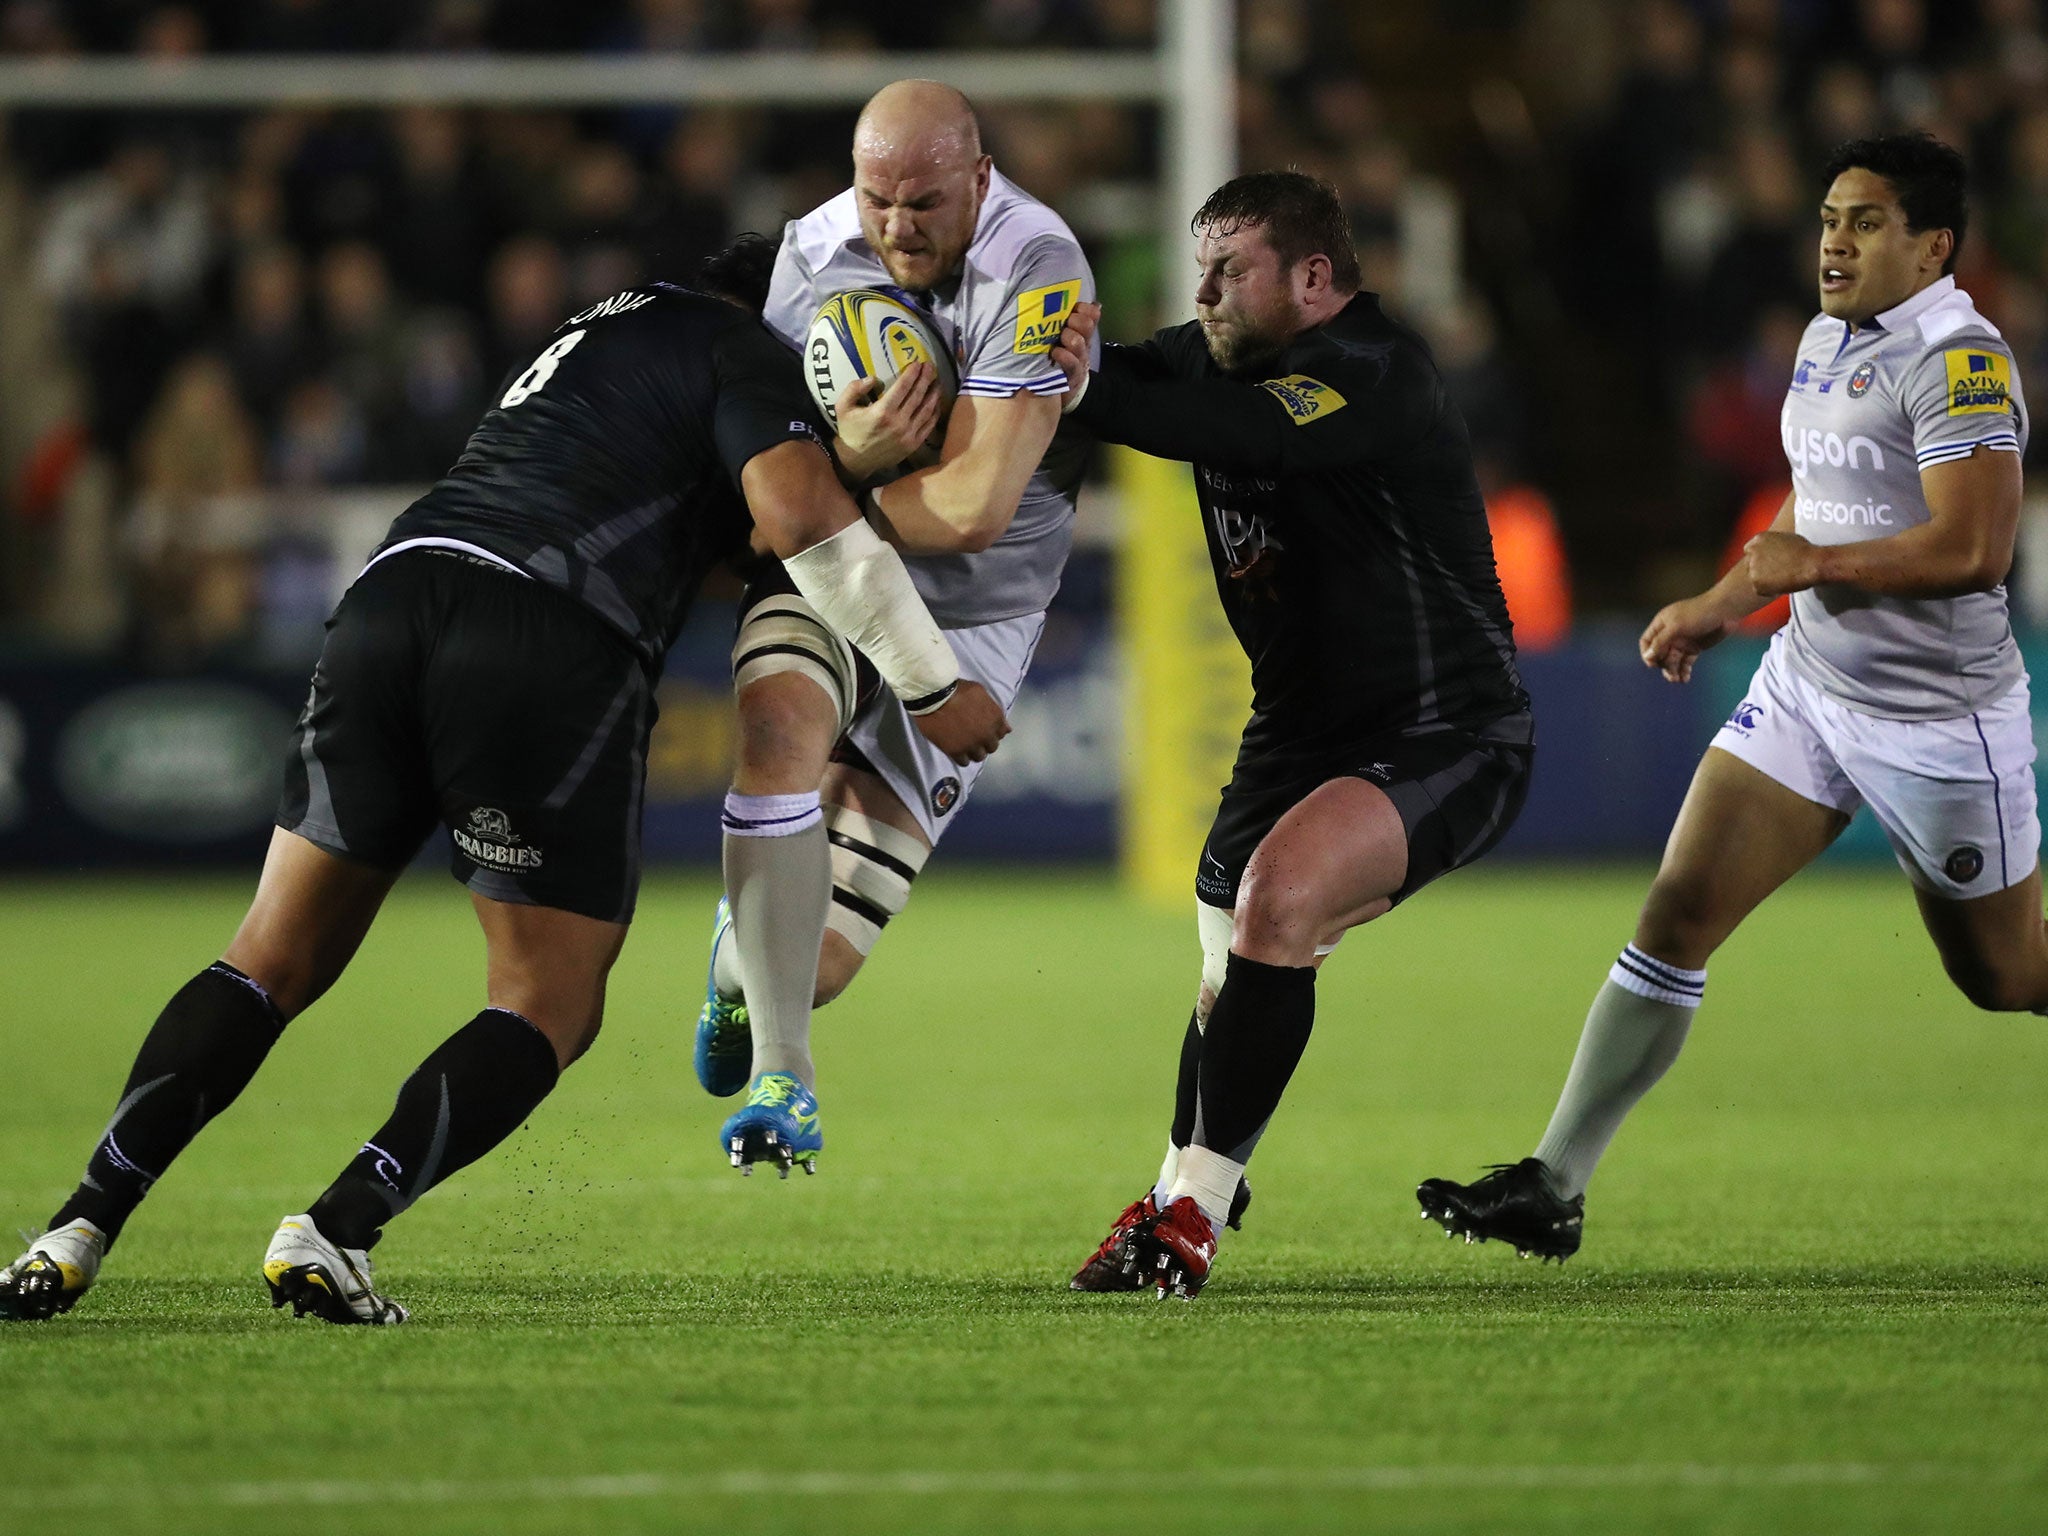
pixel 1815 447
pixel 489 840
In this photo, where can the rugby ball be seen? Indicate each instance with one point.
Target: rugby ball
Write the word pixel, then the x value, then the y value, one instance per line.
pixel 873 333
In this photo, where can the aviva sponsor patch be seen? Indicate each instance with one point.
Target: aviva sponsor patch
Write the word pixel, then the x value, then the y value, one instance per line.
pixel 1042 314
pixel 1306 399
pixel 1978 381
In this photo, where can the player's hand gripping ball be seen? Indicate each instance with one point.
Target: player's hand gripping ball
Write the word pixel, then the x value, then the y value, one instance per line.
pixel 874 333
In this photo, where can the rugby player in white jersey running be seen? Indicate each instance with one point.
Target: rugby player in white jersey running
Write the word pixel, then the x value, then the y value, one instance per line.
pixel 987 529
pixel 1895 684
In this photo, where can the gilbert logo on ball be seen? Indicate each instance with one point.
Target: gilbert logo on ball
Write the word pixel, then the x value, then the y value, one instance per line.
pixel 872 333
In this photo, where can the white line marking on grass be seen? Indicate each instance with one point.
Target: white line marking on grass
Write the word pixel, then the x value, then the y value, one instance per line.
pixel 936 1484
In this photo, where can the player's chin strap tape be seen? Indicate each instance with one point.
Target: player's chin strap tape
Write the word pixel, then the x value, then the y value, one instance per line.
pixel 859 586
pixel 783 633
pixel 872 867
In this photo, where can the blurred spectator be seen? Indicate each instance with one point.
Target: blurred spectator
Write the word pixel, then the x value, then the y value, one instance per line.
pixel 529 297
pixel 441 397
pixel 604 223
pixel 140 228
pixel 439 226
pixel 193 580
pixel 1732 420
pixel 1767 258
pixel 321 438
pixel 271 346
pixel 692 216
pixel 364 339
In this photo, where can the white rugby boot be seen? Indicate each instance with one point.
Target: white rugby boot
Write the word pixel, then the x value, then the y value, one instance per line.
pixel 59 1267
pixel 333 1283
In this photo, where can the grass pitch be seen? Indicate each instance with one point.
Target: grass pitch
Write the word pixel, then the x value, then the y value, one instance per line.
pixel 1811 1297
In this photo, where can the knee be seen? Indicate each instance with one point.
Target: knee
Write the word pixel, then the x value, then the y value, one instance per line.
pixel 1680 923
pixel 290 980
pixel 1277 920
pixel 1994 990
pixel 570 1032
pixel 786 728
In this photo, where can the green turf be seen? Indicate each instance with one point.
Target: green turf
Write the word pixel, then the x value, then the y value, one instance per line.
pixel 1811 1298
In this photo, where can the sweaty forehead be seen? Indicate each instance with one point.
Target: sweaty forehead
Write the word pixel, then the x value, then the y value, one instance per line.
pixel 889 184
pixel 1221 242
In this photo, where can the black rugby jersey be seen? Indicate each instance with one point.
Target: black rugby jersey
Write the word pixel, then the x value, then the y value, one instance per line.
pixel 1344 522
pixel 610 466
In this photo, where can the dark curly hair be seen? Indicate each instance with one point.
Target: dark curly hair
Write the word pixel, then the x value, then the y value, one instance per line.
pixel 1928 178
pixel 741 272
pixel 1301 215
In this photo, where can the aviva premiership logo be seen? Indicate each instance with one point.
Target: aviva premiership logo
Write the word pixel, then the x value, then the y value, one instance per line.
pixel 1042 315
pixel 1306 399
pixel 1977 381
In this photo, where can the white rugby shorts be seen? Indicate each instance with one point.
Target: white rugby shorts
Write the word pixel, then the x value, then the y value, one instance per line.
pixel 925 779
pixel 1955 797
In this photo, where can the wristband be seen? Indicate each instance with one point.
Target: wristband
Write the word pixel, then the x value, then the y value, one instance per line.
pixel 931 701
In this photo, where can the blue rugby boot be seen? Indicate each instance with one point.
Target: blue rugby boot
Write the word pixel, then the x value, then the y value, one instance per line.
pixel 779 1124
pixel 725 1040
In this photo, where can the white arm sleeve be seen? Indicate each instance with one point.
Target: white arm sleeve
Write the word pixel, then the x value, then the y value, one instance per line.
pixel 859 586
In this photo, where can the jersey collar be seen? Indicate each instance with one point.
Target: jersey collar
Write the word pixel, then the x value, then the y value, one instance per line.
pixel 1899 316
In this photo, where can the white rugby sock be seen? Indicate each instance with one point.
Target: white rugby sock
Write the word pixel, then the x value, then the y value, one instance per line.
pixel 1211 1178
pixel 1169 1170
pixel 778 875
pixel 1634 1031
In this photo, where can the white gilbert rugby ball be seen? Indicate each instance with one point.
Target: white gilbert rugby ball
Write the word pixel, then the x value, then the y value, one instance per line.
pixel 872 333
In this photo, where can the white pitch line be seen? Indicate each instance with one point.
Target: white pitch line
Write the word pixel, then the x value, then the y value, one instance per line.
pixel 939 1484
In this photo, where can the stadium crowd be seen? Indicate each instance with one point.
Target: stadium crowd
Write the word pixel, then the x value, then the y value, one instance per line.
pixel 1600 212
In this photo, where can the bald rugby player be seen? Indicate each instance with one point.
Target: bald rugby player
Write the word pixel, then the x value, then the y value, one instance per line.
pixel 838 799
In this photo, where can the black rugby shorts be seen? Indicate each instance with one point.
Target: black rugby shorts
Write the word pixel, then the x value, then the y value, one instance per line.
pixel 1457 793
pixel 451 690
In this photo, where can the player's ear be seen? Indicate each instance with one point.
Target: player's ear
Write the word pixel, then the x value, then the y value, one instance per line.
pixel 1313 276
pixel 1941 245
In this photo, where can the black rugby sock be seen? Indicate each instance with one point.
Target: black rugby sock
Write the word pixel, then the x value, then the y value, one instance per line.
pixel 476 1089
pixel 1184 1088
pixel 201 1052
pixel 1256 1034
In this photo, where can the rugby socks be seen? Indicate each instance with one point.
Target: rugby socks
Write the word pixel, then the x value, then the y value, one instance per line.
pixel 778 876
pixel 1254 1040
pixel 1633 1033
pixel 200 1053
pixel 476 1089
pixel 1183 1130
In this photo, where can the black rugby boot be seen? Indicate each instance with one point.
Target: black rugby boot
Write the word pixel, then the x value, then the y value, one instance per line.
pixel 1514 1203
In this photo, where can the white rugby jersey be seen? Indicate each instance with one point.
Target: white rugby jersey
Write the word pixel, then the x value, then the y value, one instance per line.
pixel 1022 274
pixel 1867 411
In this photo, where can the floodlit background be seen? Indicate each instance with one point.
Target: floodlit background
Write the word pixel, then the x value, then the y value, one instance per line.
pixel 236 338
